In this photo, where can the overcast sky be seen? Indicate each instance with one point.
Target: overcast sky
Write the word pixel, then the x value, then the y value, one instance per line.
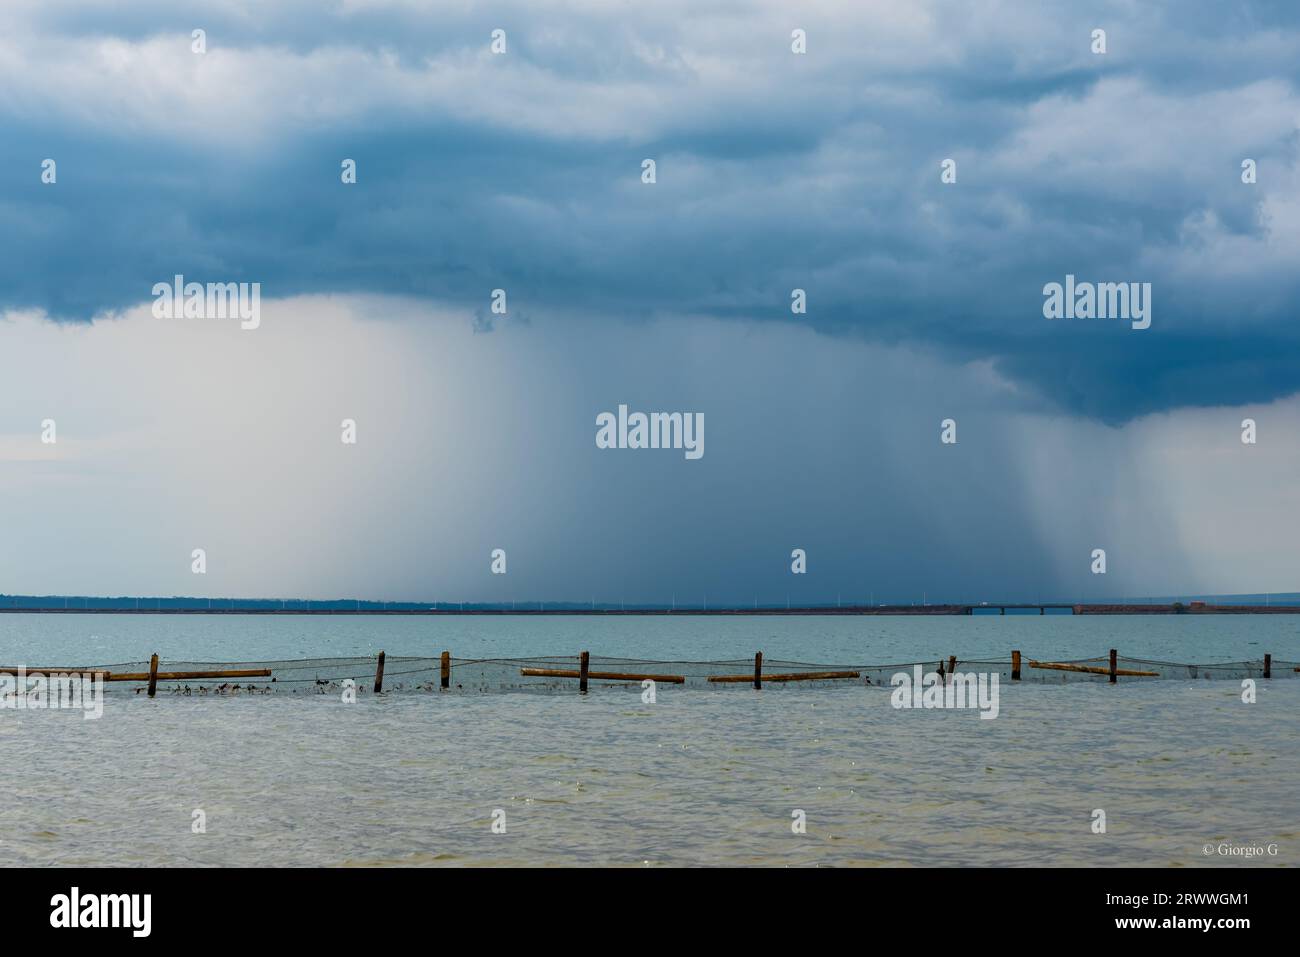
pixel 775 171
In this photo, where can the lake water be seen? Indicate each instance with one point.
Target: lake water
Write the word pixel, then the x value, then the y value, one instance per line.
pixel 104 639
pixel 694 778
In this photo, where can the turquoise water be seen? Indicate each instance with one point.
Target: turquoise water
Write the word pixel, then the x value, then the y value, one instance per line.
pixel 691 779
pixel 1180 768
pixel 104 639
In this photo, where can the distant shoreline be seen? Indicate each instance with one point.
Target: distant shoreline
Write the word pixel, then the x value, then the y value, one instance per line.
pixel 982 610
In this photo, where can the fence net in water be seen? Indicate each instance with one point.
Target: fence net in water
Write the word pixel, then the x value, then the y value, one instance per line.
pixel 416 674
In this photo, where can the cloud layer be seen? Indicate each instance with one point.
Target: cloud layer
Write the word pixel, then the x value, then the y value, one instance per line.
pixel 775 171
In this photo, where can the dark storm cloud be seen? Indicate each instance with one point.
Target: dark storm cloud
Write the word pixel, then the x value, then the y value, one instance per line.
pixel 774 171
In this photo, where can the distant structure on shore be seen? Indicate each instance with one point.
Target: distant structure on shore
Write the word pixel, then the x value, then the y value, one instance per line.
pixel 1287 603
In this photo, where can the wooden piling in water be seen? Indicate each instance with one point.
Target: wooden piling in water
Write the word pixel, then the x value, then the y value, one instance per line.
pixel 153 675
pixel 379 674
pixel 952 665
pixel 1268 666
pixel 758 670
pixel 1114 660
pixel 584 661
pixel 446 669
pixel 1015 666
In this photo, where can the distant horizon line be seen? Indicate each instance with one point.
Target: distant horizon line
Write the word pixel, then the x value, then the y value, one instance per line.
pixel 130 604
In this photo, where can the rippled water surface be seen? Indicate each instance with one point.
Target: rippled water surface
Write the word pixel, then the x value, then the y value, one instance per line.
pixel 699 777
pixel 102 639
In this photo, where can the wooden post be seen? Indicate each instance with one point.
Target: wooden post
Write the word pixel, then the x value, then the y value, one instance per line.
pixel 758 670
pixel 583 661
pixel 1268 666
pixel 379 674
pixel 952 664
pixel 1113 656
pixel 446 669
pixel 1015 666
pixel 153 675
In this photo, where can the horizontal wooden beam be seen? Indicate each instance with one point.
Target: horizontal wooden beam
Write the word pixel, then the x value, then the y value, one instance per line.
pixel 78 672
pixel 790 676
pixel 178 675
pixel 1089 669
pixel 139 675
pixel 605 675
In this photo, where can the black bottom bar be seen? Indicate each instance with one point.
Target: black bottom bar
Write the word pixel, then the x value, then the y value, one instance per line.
pixel 290 906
